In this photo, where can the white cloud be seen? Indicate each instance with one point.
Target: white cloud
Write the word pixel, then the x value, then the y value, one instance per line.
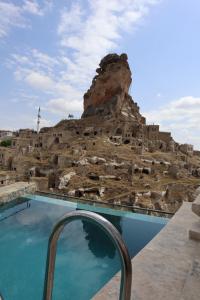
pixel 181 117
pixel 43 123
pixel 32 7
pixel 33 59
pixel 37 70
pixel 63 107
pixel 71 20
pixel 10 15
pixel 39 81
pixel 87 30
pixel 13 15
pixel 91 35
pixel 42 59
pixel 23 121
pixel 43 82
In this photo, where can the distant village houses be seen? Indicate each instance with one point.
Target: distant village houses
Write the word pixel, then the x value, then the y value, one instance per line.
pixel 5 134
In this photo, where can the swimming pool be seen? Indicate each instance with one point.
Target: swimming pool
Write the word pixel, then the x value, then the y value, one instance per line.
pixel 86 259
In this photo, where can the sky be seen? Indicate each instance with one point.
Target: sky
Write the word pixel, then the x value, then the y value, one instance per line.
pixel 50 49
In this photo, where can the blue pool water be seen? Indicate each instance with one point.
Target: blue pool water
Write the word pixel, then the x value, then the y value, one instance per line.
pixel 86 259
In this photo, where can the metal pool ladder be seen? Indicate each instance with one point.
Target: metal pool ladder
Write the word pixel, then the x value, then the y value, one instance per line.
pixel 110 231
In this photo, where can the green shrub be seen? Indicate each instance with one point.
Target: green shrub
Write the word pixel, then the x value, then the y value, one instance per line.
pixel 6 143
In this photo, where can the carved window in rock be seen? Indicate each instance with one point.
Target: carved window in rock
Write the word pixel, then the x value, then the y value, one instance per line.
pixel 52 180
pixel 86 133
pixel 127 141
pixel 55 159
pixel 119 131
pixel 57 140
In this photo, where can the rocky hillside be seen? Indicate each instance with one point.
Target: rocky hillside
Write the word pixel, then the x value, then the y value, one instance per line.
pixel 110 154
pixel 104 171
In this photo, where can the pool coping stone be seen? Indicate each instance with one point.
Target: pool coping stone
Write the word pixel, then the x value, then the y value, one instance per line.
pixel 164 269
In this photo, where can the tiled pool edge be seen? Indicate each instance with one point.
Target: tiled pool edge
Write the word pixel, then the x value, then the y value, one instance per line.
pixel 11 192
pixel 97 208
pixel 163 268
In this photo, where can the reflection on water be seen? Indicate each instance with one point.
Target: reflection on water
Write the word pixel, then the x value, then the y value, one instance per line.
pixel 99 243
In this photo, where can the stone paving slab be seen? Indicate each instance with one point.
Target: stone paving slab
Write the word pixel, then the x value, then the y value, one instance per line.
pixel 192 285
pixel 15 190
pixel 160 270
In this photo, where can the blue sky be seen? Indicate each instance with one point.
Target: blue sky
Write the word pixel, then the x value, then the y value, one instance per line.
pixel 50 50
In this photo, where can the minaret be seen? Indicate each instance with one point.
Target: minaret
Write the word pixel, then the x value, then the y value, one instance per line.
pixel 38 120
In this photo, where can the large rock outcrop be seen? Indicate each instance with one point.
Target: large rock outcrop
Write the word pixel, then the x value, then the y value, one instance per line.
pixel 108 95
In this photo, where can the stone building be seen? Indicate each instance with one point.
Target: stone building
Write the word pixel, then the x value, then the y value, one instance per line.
pixel 186 149
pixel 5 134
pixel 7 178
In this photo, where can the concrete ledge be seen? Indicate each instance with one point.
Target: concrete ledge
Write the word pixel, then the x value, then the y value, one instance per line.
pixel 163 268
pixel 196 206
pixel 194 232
pixel 15 190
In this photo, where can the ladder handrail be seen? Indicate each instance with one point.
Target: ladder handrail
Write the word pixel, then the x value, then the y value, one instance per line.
pixel 112 233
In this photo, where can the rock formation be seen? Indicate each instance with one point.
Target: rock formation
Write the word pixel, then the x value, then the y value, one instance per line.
pixel 108 95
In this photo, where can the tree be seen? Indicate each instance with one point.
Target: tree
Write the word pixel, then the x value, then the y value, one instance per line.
pixel 6 143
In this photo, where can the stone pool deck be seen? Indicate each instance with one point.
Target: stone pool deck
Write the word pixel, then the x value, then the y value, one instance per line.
pixel 12 191
pixel 168 267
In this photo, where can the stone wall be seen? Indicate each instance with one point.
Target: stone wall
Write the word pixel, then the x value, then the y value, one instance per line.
pixel 196 152
pixel 15 190
pixel 165 136
pixel 152 132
